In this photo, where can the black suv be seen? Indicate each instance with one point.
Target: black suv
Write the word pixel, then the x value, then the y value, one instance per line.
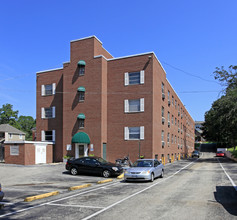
pixel 93 165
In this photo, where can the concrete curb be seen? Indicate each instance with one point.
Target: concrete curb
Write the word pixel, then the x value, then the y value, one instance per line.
pixel 120 176
pixel 32 198
pixel 79 187
pixel 104 181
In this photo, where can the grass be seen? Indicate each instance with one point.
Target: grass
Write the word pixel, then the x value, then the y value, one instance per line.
pixel 234 152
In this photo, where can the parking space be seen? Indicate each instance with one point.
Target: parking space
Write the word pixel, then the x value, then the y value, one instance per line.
pixel 19 182
pixel 98 198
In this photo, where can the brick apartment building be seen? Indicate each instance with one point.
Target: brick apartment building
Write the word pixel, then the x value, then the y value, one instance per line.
pixel 111 107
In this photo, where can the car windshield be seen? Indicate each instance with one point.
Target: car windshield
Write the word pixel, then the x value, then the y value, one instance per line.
pixel 219 152
pixel 143 163
pixel 101 160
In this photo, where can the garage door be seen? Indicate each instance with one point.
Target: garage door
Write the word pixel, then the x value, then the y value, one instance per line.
pixel 40 154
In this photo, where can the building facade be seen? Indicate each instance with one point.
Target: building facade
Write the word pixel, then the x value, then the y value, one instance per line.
pixel 111 107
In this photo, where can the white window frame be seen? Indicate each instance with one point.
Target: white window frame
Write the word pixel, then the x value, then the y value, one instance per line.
pixel 126 133
pixel 43 136
pixel 53 113
pixel 126 105
pixel 142 78
pixel 53 89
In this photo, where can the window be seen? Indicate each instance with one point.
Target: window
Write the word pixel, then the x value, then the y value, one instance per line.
pixel 20 136
pixel 172 138
pixel 172 119
pixel 168 137
pixel 134 133
pixel 14 150
pixel 175 104
pixel 48 89
pixel 168 116
pixel 48 135
pixel 81 70
pixel 172 100
pixel 163 88
pixel 81 96
pixel 162 111
pixel 134 78
pixel 175 121
pixel 10 135
pixel 48 112
pixel 81 67
pixel 134 105
pixel 81 123
pixel 162 135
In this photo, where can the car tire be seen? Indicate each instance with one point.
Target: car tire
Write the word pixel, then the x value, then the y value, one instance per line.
pixel 152 177
pixel 106 173
pixel 162 174
pixel 74 171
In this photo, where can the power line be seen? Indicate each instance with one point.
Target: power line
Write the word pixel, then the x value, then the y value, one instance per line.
pixel 189 74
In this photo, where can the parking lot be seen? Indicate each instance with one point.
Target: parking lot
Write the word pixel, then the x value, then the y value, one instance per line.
pixel 200 186
pixel 19 182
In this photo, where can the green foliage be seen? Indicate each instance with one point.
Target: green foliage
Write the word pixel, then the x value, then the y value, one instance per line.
pixel 7 115
pixel 23 123
pixel 26 123
pixel 221 120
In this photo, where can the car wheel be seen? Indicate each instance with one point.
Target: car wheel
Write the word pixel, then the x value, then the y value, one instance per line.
pixel 162 174
pixel 74 171
pixel 106 173
pixel 152 177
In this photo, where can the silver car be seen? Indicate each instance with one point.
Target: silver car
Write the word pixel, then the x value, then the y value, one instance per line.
pixel 144 169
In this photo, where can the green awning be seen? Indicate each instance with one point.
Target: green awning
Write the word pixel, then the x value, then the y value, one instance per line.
pixel 81 63
pixel 81 116
pixel 81 137
pixel 81 89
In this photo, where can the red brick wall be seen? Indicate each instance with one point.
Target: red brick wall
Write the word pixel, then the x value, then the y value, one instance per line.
pixel 56 100
pixel 117 119
pixel 26 154
pixel 14 159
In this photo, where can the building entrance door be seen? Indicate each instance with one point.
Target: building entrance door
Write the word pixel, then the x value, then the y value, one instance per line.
pixel 81 150
pixel 40 154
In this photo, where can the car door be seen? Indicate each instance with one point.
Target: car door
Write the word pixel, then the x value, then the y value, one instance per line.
pixel 91 165
pixel 158 168
pixel 80 164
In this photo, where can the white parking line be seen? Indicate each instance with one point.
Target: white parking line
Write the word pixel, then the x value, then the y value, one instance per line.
pixel 122 200
pixel 6 203
pixel 87 191
pixel 78 206
pixel 48 203
pixel 232 182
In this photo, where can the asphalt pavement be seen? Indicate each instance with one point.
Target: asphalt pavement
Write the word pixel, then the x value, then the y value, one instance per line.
pixel 201 188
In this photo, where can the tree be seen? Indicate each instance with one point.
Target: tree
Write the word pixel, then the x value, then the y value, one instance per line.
pixel 26 123
pixel 228 79
pixel 7 115
pixel 23 123
pixel 221 120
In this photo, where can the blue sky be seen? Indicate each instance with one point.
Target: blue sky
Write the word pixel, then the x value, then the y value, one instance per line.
pixel 190 38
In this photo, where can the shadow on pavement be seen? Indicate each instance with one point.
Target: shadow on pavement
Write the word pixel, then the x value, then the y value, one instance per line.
pixel 227 197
